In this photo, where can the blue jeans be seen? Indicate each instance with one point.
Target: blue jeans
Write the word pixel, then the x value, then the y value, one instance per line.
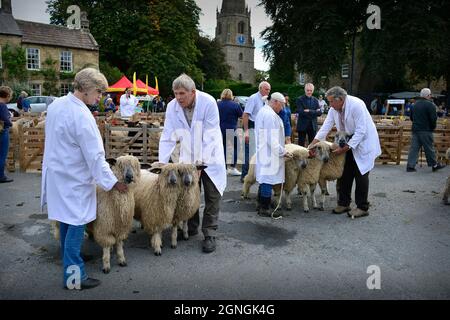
pixel 4 145
pixel 266 190
pixel 71 240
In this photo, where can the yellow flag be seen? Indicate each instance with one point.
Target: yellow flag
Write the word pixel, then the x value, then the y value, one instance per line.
pixel 146 82
pixel 156 81
pixel 134 84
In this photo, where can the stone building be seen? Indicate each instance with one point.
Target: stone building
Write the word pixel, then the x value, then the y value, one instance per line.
pixel 48 46
pixel 233 31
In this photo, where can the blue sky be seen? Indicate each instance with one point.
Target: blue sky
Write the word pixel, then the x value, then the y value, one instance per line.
pixel 34 10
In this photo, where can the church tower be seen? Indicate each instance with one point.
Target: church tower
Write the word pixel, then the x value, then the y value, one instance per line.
pixel 233 32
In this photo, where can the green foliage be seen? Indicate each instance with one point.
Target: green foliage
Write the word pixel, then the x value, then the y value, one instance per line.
pixel 14 63
pixel 212 60
pixel 51 77
pixel 17 88
pixel 112 74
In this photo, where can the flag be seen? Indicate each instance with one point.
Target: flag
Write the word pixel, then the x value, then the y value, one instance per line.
pixel 134 84
pixel 146 82
pixel 156 81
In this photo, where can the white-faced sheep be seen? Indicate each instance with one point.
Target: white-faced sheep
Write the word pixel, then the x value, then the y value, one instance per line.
pixel 309 177
pixel 332 169
pixel 447 186
pixel 115 210
pixel 292 167
pixel 156 200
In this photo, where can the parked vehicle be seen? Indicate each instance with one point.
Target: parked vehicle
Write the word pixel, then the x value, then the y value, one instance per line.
pixel 242 100
pixel 38 104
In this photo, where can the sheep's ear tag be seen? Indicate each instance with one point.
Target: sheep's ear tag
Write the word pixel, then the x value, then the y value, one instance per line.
pixel 156 170
pixel 111 161
pixel 201 167
pixel 145 166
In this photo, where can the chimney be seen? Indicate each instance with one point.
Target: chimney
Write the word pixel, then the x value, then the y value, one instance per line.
pixel 6 7
pixel 84 22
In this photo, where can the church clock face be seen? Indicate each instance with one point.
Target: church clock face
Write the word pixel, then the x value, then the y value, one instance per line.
pixel 240 39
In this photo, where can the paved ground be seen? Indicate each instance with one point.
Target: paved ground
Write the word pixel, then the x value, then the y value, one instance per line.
pixel 314 255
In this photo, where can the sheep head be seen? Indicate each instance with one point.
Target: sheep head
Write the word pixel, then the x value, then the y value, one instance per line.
pixel 321 151
pixel 126 169
pixel 341 138
pixel 301 155
pixel 168 172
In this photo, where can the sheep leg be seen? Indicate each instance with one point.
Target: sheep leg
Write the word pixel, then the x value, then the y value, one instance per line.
pixel 156 243
pixel 287 196
pixel 248 182
pixel 120 254
pixel 106 259
pixel 312 188
pixel 185 230
pixel 306 194
pixel 446 193
pixel 324 189
pixel 174 236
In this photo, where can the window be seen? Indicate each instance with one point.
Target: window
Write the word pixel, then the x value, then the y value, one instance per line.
pixel 66 61
pixel 33 61
pixel 301 79
pixel 64 89
pixel 240 76
pixel 345 70
pixel 219 28
pixel 35 89
pixel 241 27
pixel 241 56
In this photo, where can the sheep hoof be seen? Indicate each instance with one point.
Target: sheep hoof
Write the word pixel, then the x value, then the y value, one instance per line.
pixel 157 253
pixel 186 238
pixel 445 202
pixel 106 270
pixel 321 208
pixel 288 208
pixel 123 264
pixel 327 193
pixel 173 246
pixel 306 211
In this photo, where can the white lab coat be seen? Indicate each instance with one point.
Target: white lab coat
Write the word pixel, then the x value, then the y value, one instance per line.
pixel 127 105
pixel 74 161
pixel 269 133
pixel 201 142
pixel 365 143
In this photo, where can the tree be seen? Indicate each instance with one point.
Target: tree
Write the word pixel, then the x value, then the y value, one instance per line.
pixel 154 37
pixel 212 60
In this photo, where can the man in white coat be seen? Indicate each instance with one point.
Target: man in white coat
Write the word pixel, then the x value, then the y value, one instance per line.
pixel 270 151
pixel 192 118
pixel 128 103
pixel 350 114
pixel 74 162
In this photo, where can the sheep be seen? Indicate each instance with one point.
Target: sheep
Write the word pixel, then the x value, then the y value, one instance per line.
pixel 447 187
pixel 299 157
pixel 332 169
pixel 156 198
pixel 188 201
pixel 293 168
pixel 309 177
pixel 115 210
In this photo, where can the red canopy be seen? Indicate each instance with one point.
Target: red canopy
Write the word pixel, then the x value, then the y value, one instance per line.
pixel 120 85
pixel 150 90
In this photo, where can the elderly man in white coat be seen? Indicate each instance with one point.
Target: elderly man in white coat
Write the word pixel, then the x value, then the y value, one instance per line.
pixel 192 118
pixel 270 151
pixel 74 162
pixel 350 114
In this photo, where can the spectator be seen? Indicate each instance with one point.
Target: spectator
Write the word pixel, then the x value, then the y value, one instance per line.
pixel 109 105
pixel 22 96
pixel 69 185
pixel 285 115
pixel 229 113
pixel 5 118
pixel 408 107
pixel 322 104
pixel 423 117
pixel 254 104
pixel 308 110
pixel 128 103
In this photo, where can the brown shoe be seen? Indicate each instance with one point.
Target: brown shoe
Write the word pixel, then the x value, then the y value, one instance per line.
pixel 357 213
pixel 341 209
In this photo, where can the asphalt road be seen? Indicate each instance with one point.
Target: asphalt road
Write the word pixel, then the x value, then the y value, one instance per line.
pixel 315 255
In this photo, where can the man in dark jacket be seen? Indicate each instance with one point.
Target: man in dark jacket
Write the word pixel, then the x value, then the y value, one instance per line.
pixel 308 110
pixel 423 117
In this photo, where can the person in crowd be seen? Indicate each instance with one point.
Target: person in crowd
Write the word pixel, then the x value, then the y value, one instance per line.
pixel 423 117
pixel 192 119
pixel 308 110
pixel 74 163
pixel 253 105
pixel 128 103
pixel 229 113
pixel 350 114
pixel 5 124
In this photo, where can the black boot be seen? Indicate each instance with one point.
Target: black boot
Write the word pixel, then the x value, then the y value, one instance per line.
pixel 265 208
pixel 258 199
